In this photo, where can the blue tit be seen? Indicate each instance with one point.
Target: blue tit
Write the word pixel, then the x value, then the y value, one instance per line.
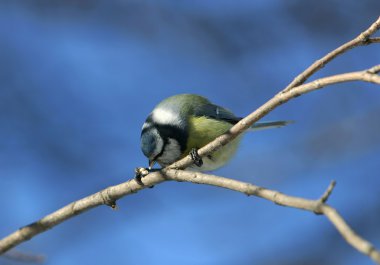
pixel 180 124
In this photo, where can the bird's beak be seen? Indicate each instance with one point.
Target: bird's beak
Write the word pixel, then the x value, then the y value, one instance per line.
pixel 151 164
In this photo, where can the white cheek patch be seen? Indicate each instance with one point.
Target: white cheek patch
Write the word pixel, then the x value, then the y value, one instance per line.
pixel 172 153
pixel 165 116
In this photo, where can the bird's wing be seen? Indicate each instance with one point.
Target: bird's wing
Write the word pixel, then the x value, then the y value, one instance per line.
pixel 219 113
pixel 216 112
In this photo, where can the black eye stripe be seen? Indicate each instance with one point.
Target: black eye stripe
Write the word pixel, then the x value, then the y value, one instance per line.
pixel 170 131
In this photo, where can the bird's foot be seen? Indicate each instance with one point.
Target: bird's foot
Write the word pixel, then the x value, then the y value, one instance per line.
pixel 141 172
pixel 196 157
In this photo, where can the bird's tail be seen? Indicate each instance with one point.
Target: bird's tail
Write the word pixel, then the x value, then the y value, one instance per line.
pixel 268 125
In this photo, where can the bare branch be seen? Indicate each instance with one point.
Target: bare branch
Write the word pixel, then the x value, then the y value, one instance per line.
pixel 373 40
pixel 277 100
pixel 317 206
pixel 328 192
pixel 113 193
pixel 374 70
pixel 362 39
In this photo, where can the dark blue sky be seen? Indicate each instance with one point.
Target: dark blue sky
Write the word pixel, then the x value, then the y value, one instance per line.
pixel 78 78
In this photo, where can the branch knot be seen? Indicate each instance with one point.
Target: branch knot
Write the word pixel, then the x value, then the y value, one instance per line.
pixel 107 199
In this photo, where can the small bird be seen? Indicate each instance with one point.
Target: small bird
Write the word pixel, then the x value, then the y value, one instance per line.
pixel 181 124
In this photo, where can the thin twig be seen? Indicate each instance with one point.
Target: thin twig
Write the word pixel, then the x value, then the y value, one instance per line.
pixel 328 192
pixel 373 40
pixel 374 70
pixel 273 103
pixel 318 206
pixel 362 39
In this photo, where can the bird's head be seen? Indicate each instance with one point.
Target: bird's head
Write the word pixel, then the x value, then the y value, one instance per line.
pixel 152 144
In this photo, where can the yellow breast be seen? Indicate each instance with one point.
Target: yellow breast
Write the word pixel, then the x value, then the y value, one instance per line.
pixel 203 130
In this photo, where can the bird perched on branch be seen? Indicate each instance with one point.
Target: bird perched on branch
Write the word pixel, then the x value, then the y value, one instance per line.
pixel 181 124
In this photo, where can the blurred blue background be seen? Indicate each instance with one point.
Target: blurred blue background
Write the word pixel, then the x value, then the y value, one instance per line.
pixel 78 78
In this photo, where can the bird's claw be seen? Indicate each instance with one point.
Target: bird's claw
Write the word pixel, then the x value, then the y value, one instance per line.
pixel 196 157
pixel 141 172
